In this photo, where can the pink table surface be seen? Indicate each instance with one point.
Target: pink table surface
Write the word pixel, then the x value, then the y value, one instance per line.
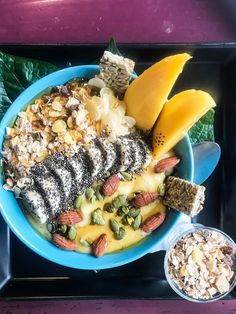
pixel 116 307
pixel 90 21
pixel 133 21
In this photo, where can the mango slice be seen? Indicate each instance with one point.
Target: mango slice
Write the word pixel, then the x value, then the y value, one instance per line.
pixel 147 94
pixel 177 117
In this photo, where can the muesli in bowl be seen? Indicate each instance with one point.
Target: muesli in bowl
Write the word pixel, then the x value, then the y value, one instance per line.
pixel 91 160
pixel 200 264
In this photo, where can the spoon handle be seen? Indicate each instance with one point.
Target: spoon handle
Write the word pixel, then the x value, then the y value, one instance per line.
pixel 206 156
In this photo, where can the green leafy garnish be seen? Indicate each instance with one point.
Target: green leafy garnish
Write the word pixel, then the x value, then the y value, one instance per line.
pixel 16 74
pixel 203 129
pixel 5 102
pixel 112 47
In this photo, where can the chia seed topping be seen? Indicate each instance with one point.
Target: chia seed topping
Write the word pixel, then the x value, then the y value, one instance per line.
pixel 59 178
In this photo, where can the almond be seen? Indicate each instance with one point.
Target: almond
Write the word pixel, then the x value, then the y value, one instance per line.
pixel 144 198
pixel 111 185
pixel 99 245
pixel 63 243
pixel 166 164
pixel 153 222
pixel 69 218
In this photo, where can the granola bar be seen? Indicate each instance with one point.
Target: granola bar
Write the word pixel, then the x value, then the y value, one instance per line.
pixel 184 196
pixel 116 71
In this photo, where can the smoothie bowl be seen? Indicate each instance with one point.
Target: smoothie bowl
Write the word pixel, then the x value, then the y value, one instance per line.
pixel 88 174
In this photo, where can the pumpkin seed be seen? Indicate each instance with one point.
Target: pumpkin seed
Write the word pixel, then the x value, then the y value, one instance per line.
pixel 72 233
pixel 130 220
pixel 95 184
pixel 125 210
pixel 89 193
pixel 169 172
pixel 51 227
pixel 124 221
pixel 84 242
pixel 109 208
pixel 114 225
pixel 106 175
pixel 62 228
pixel 120 212
pixel 119 201
pixel 137 222
pixel 126 176
pixel 78 201
pixel 121 233
pixel 134 212
pixel 93 199
pixel 99 195
pixel 161 189
pixel 97 218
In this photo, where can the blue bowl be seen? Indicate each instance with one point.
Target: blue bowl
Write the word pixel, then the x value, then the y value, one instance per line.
pixel 18 222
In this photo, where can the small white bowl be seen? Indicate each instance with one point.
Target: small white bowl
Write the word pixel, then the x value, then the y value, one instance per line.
pixel 175 287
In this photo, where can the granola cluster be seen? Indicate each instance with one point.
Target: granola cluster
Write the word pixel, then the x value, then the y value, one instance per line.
pixel 52 123
pixel 201 264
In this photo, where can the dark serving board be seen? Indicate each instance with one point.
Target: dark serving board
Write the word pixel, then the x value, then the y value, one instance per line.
pixel 26 275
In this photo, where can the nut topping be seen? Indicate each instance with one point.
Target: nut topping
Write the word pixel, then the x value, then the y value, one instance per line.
pixel 111 185
pixel 153 222
pixel 144 198
pixel 99 245
pixel 63 243
pixel 69 218
pixel 166 164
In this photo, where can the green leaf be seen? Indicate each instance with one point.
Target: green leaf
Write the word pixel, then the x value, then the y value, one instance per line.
pixel 203 129
pixel 4 100
pixel 112 47
pixel 16 74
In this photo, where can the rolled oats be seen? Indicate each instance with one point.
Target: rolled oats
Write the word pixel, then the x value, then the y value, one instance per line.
pixel 68 138
pixel 59 126
pixel 57 106
pixel 57 122
pixel 199 274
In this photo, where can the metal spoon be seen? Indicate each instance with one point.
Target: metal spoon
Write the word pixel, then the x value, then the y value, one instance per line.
pixel 206 157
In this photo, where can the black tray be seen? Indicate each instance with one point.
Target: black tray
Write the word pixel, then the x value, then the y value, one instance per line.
pixel 25 275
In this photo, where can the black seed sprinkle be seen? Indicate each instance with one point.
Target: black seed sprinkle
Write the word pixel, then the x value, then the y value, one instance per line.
pixel 48 166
